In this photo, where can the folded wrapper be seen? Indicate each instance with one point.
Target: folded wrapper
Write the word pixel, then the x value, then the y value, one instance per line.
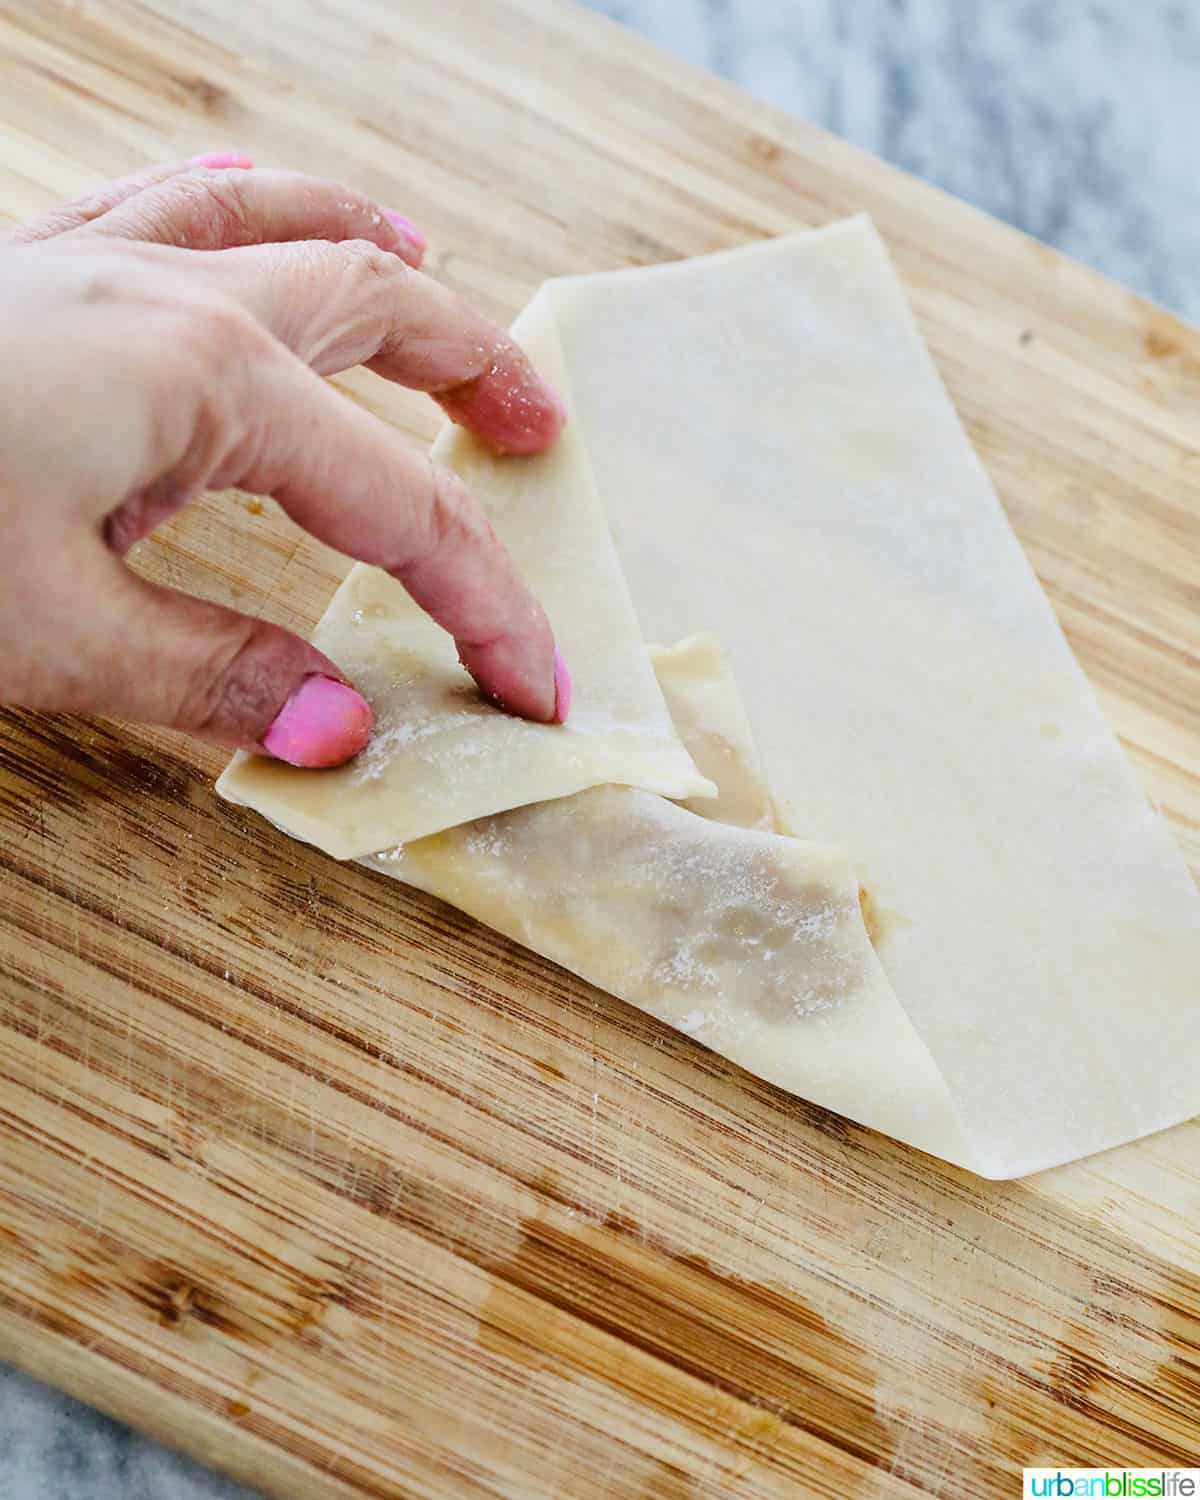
pixel 1003 968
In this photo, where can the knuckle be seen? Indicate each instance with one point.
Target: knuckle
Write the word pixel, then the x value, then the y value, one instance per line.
pixel 211 210
pixel 238 687
pixel 437 521
pixel 370 267
pixel 454 517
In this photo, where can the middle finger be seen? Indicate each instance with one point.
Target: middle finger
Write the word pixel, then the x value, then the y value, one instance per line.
pixel 341 305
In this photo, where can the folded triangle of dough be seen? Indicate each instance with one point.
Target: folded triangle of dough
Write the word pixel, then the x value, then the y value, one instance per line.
pixel 749 941
pixel 781 464
pixel 439 754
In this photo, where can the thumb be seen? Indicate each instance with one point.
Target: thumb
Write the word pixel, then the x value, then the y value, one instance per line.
pixel 226 677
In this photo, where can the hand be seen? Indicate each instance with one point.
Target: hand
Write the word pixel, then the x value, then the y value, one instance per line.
pixel 168 335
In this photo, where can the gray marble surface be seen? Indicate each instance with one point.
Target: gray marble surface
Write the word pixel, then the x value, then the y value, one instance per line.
pixel 1078 120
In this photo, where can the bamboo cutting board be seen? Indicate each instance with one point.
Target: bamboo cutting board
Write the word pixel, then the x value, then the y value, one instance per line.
pixel 312 1177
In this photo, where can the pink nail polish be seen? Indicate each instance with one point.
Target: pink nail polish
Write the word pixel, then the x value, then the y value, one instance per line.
pixel 406 227
pixel 221 159
pixel 323 723
pixel 562 688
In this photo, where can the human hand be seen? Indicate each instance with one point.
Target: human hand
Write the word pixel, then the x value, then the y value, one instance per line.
pixel 168 335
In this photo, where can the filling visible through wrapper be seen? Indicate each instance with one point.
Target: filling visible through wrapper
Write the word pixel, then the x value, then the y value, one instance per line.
pixel 747 940
pixel 760 446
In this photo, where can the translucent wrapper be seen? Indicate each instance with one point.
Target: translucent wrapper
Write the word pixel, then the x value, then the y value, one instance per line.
pixel 781 467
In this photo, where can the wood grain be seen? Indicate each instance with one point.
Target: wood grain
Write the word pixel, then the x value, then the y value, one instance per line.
pixel 312 1177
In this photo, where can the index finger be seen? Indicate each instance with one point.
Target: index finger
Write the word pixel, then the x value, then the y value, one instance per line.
pixel 355 484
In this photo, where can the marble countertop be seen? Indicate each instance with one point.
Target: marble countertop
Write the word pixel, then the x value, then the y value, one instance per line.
pixel 1077 120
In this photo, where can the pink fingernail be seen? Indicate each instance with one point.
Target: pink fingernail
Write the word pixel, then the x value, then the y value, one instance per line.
pixel 406 227
pixel 562 688
pixel 323 723
pixel 221 159
pixel 508 408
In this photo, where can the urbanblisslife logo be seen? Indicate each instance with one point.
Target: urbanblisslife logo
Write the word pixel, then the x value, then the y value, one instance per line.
pixel 1111 1484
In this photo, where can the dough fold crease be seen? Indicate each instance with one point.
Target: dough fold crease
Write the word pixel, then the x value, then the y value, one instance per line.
pixel 760 447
